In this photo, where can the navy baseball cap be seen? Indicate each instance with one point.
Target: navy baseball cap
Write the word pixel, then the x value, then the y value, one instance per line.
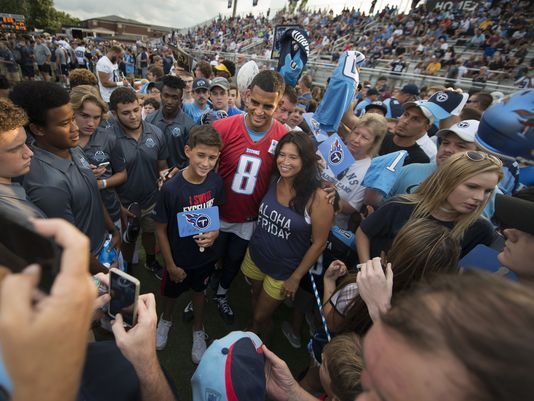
pixel 411 89
pixel 372 91
pixel 201 83
pixel 231 369
pixel 377 104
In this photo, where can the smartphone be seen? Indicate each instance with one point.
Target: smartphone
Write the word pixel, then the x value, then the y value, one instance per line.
pixel 105 164
pixel 124 292
pixel 21 245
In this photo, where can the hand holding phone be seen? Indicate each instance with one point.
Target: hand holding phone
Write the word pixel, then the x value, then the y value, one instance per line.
pixel 104 164
pixel 124 293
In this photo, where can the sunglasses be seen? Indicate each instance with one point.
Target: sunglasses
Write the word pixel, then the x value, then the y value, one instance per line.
pixel 476 156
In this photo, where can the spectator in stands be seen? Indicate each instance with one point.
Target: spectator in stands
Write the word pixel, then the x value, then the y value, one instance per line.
pixel 60 181
pixel 455 196
pixel 480 101
pixel 434 67
pixel 304 87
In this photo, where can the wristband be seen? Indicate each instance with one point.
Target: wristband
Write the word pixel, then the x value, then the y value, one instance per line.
pixel 120 83
pixel 104 184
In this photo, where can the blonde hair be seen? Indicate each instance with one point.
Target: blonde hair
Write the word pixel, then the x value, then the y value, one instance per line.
pixel 375 123
pixel 435 190
pixel 86 93
pixel 344 363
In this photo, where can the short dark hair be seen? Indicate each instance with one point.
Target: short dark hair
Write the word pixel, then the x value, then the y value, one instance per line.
pixel 269 81
pixel 230 66
pixel 291 94
pixel 152 101
pixel 81 76
pixel 156 70
pixel 37 97
pixel 4 83
pixel 121 95
pixel 205 68
pixel 204 135
pixel 307 81
pixel 170 81
pixel 468 113
pixel 485 99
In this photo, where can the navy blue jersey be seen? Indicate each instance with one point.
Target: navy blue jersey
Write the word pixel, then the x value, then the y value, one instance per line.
pixel 339 93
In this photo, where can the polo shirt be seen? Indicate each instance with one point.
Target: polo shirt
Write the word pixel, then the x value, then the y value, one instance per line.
pixel 67 189
pixel 13 197
pixel 142 159
pixel 102 147
pixel 176 134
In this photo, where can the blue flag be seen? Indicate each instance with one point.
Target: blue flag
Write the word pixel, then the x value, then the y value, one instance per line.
pixel 336 154
pixel 319 134
pixel 384 170
pixel 198 221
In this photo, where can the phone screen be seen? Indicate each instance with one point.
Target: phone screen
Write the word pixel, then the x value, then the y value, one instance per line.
pixel 21 246
pixel 124 293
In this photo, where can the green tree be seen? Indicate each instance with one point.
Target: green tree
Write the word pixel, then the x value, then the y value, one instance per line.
pixel 40 14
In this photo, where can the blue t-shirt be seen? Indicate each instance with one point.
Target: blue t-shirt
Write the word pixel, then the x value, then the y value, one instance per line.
pixel 339 93
pixel 359 109
pixel 192 110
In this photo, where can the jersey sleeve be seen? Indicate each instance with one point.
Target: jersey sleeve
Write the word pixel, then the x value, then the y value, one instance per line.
pixel 384 171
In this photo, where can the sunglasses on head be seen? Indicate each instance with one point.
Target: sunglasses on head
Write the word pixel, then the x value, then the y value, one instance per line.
pixel 477 156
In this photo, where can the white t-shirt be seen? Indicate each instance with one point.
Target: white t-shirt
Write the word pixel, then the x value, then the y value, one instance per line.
pixel 80 55
pixel 428 146
pixel 112 71
pixel 349 188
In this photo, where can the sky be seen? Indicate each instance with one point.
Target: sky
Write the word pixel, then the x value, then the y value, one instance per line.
pixel 187 13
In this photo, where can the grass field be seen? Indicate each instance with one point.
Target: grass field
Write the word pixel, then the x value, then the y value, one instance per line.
pixel 176 357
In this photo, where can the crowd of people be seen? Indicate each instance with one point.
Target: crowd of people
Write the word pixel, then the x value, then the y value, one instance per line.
pixel 369 258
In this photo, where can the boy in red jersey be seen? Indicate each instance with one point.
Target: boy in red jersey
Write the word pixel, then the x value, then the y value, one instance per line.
pixel 245 166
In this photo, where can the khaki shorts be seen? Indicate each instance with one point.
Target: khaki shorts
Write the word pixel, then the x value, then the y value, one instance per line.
pixel 271 286
pixel 147 223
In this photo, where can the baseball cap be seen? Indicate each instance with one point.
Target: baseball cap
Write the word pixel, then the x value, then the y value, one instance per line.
pixel 220 82
pixel 466 130
pixel 231 369
pixel 515 213
pixel 372 91
pixel 421 104
pixel 443 104
pixel 377 104
pixel 201 83
pixel 411 89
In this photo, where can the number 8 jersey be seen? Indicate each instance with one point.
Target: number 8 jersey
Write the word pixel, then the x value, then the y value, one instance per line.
pixel 245 167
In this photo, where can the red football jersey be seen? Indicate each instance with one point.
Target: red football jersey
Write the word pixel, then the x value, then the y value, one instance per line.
pixel 245 167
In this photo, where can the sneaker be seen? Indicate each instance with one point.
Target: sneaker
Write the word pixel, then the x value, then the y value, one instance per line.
pixel 291 337
pixel 188 314
pixel 133 226
pixel 162 333
pixel 199 346
pixel 155 268
pixel 225 310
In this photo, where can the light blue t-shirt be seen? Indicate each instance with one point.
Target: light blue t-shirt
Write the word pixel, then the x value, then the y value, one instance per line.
pixel 192 110
pixel 412 175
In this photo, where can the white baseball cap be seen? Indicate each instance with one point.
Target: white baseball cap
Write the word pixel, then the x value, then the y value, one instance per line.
pixel 466 130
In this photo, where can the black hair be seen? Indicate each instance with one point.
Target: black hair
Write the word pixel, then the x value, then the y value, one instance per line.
pixel 152 101
pixel 230 66
pixel 269 81
pixel 291 94
pixel 4 83
pixel 204 135
pixel 37 97
pixel 170 81
pixel 121 95
pixel 307 180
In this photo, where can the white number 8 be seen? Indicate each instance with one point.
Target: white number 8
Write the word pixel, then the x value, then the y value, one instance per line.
pixel 245 176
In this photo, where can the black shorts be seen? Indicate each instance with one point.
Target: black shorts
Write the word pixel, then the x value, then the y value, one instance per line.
pixel 196 280
pixel 45 68
pixel 64 69
pixel 27 70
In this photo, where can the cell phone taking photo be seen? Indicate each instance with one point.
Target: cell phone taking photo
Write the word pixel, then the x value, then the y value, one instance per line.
pixel 21 245
pixel 124 293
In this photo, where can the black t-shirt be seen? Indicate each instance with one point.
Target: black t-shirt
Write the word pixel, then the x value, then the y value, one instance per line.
pixel 415 153
pixel 383 225
pixel 179 195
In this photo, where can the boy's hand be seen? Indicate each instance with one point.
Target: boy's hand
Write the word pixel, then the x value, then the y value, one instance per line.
pixel 206 240
pixel 176 274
